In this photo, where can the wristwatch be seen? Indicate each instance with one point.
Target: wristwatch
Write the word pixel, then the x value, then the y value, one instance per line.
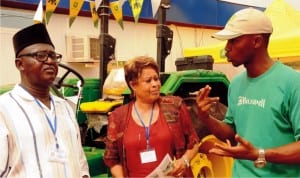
pixel 260 162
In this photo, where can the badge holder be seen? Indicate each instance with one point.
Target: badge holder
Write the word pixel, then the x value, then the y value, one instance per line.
pixel 148 156
pixel 57 154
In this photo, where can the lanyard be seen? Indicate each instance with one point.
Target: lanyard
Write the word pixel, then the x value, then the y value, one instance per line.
pixel 53 127
pixel 147 129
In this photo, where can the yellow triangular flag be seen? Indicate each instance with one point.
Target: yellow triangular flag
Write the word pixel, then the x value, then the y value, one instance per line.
pixel 116 9
pixel 136 7
pixel 38 16
pixel 50 8
pixel 75 6
pixel 94 13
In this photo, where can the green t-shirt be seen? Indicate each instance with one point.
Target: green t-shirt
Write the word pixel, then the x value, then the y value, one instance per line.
pixel 266 111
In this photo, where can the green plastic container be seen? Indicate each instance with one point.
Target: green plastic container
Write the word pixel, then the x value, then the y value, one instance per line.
pixel 94 156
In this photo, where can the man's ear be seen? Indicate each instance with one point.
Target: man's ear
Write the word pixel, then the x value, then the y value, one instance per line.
pixel 258 41
pixel 19 64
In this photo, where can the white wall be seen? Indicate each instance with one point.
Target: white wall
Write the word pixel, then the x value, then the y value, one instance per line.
pixel 135 39
pixel 8 72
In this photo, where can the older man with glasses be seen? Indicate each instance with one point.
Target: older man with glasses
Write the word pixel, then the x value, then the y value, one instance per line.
pixel 39 134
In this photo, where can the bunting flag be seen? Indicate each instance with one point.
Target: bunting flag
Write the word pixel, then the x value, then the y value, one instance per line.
pixel 122 2
pixel 136 7
pixel 116 9
pixel 97 3
pixel 155 5
pixel 39 16
pixel 94 13
pixel 75 6
pixel 50 8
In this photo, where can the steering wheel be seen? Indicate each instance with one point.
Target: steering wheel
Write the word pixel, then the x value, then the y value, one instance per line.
pixel 60 81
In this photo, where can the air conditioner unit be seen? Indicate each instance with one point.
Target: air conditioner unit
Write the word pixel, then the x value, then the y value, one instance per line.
pixel 82 49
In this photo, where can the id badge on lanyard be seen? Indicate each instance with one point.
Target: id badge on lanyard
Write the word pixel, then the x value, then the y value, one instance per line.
pixel 57 154
pixel 148 156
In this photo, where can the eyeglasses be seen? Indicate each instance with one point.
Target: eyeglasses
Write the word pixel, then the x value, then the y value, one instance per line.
pixel 43 56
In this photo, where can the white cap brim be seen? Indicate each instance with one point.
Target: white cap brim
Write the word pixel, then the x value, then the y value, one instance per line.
pixel 226 35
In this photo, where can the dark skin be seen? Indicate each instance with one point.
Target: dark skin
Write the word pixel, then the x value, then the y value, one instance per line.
pixel 250 51
pixel 37 77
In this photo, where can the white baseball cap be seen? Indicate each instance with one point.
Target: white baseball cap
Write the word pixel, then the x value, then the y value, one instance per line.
pixel 245 21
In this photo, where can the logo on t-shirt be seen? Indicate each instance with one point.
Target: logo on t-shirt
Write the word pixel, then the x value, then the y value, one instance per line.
pixel 246 101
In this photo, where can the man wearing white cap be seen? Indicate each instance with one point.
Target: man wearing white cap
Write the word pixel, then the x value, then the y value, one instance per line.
pixel 262 123
pixel 39 134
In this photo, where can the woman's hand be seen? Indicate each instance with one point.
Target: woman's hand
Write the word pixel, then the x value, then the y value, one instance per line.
pixel 179 168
